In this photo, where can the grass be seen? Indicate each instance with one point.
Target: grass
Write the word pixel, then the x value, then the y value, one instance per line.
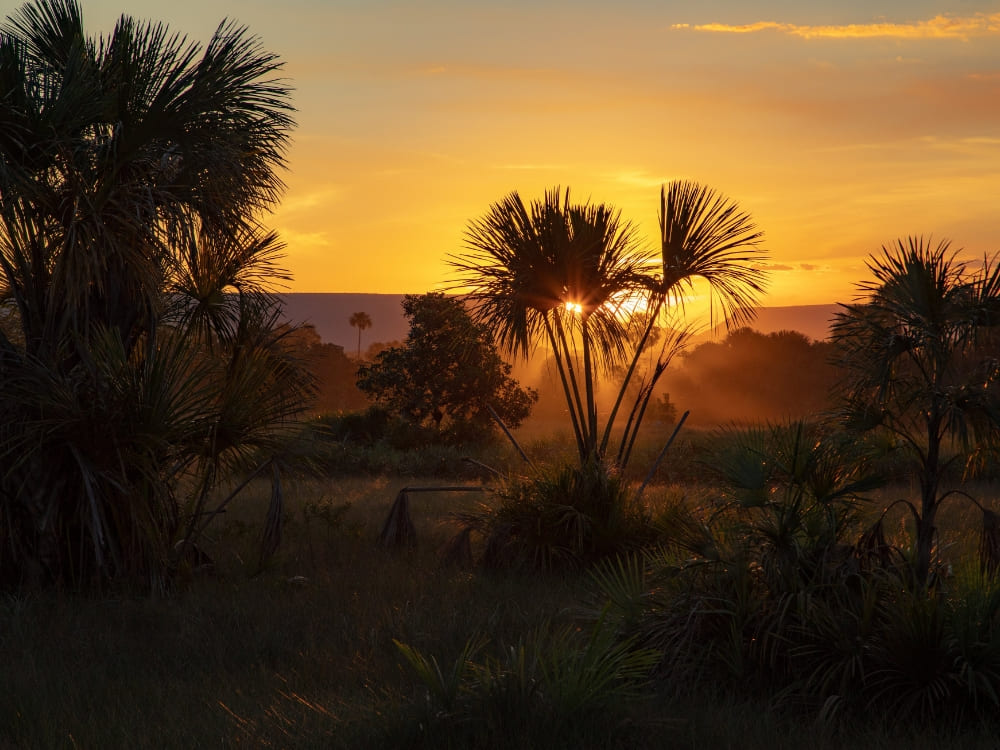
pixel 301 654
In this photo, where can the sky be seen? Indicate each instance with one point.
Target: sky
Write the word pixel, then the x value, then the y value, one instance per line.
pixel 839 126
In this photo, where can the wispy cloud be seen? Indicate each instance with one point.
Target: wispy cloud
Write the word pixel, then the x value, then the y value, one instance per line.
pixel 939 27
pixel 308 200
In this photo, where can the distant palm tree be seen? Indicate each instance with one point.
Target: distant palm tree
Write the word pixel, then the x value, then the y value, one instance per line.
pixel 568 274
pixel 362 322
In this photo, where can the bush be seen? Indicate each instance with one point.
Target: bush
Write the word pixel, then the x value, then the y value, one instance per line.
pixel 562 520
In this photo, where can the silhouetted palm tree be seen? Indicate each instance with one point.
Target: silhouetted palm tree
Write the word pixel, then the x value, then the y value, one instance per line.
pixel 145 356
pixel 563 272
pixel 362 322
pixel 556 270
pixel 912 349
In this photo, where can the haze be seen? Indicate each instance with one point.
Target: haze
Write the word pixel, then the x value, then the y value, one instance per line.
pixel 839 126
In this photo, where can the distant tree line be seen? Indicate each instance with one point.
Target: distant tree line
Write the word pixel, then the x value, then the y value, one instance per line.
pixel 753 376
pixel 743 377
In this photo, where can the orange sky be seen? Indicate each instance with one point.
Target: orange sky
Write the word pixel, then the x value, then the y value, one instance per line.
pixel 838 126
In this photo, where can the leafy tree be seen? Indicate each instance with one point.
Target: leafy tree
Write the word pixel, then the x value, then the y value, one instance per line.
pixel 377 347
pixel 362 321
pixel 447 375
pixel 142 361
pixel 915 365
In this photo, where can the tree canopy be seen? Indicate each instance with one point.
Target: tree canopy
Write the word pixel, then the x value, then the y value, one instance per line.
pixel 447 375
pixel 752 376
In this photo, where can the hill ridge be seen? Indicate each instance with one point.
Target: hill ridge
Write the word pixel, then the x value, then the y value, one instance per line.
pixel 329 312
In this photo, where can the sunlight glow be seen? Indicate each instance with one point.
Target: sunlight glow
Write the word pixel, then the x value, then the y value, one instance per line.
pixel 773 95
pixel 574 307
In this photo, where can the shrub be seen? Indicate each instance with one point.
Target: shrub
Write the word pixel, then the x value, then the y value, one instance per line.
pixel 561 520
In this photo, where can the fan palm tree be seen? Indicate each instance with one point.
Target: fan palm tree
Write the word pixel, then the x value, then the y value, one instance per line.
pixel 362 322
pixel 913 351
pixel 557 271
pixel 560 272
pixel 142 347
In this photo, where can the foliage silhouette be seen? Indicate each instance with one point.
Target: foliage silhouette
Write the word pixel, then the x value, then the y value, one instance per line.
pixel 141 358
pixel 917 365
pixel 446 376
pixel 362 321
pixel 568 275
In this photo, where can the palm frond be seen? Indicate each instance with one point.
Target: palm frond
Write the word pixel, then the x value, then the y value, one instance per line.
pixel 704 234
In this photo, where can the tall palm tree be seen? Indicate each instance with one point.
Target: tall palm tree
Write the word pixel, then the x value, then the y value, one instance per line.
pixel 362 322
pixel 560 272
pixel 564 273
pixel 914 351
pixel 133 170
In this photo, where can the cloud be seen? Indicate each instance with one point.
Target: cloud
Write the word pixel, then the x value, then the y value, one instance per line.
pixel 300 240
pixel 939 27
pixel 308 200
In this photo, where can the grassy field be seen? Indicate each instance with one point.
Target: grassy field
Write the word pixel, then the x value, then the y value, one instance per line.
pixel 301 654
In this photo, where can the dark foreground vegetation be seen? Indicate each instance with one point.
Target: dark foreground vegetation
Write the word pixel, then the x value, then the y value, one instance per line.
pixel 340 642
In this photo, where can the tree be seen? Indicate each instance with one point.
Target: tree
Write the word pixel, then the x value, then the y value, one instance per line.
pixel 332 371
pixel 447 375
pixel 147 364
pixel 915 366
pixel 362 322
pixel 567 274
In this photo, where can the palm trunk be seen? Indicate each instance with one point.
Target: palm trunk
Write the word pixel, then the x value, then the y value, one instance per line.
pixel 589 385
pixel 613 415
pixel 929 484
pixel 567 391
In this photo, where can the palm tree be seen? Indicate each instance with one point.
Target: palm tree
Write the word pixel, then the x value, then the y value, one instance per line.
pixel 915 365
pixel 146 356
pixel 568 273
pixel 362 322
pixel 559 271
